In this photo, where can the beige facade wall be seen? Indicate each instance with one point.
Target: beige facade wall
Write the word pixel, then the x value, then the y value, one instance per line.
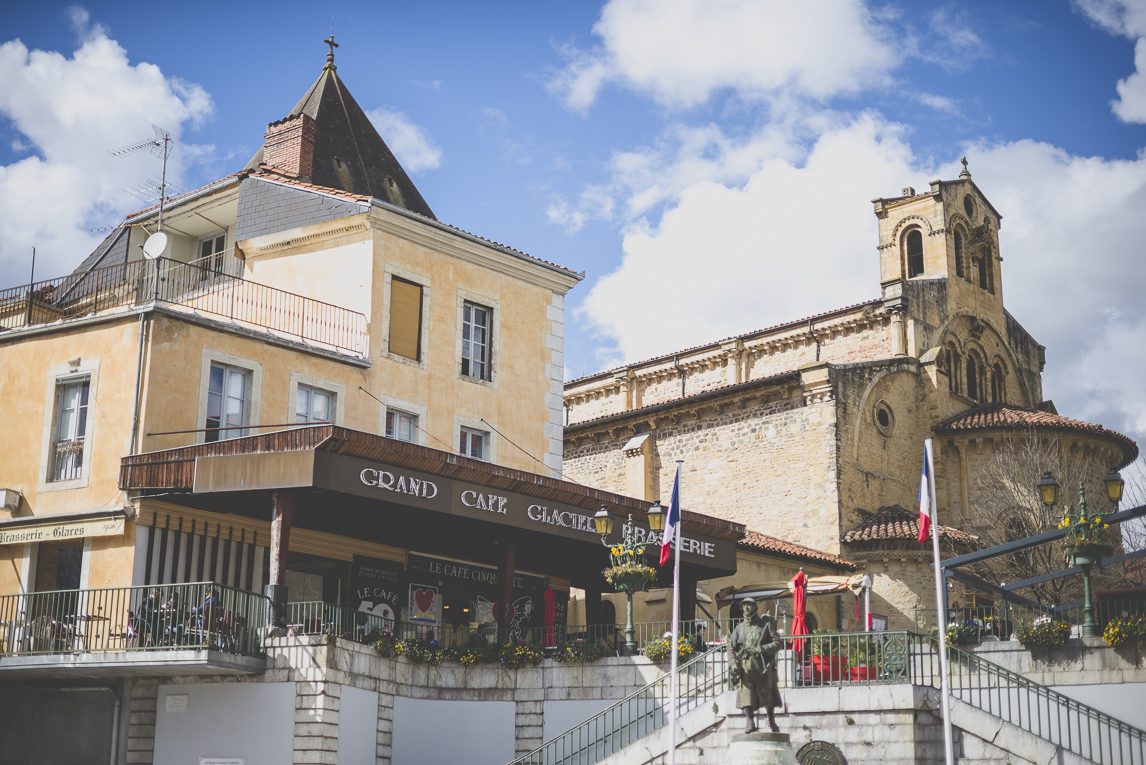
pixel 348 262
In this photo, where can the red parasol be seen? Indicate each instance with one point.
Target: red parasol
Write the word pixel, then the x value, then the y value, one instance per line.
pixel 799 587
pixel 550 615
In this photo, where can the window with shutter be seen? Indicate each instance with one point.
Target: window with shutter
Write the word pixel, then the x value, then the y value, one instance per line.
pixel 405 319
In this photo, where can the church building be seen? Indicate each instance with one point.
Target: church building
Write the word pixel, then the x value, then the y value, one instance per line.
pixel 813 430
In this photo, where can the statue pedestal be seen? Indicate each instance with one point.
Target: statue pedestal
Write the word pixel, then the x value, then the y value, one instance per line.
pixel 761 748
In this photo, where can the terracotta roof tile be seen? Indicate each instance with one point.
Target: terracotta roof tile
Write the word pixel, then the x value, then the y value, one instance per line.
pixel 1009 416
pixel 754 540
pixel 898 523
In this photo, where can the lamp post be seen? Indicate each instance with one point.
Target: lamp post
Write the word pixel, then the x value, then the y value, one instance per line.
pixel 1082 544
pixel 627 571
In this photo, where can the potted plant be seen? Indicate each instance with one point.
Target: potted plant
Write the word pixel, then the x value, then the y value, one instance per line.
pixel 827 662
pixel 1044 633
pixel 1124 629
pixel 862 655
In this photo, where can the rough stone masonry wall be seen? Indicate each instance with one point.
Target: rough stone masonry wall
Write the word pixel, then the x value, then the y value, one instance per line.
pixel 770 466
pixel 857 335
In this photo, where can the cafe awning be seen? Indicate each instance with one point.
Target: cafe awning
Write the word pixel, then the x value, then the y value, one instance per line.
pixel 367 486
pixel 817 585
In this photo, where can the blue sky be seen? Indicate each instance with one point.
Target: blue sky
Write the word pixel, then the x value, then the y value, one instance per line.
pixel 709 165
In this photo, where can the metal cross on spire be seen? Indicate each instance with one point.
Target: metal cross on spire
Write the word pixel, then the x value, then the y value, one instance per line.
pixel 966 173
pixel 330 56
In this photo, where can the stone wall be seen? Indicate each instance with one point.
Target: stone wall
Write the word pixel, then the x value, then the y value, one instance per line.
pixel 847 336
pixel 320 670
pixel 763 465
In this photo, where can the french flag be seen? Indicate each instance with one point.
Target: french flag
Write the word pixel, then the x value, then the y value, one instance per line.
pixel 672 520
pixel 924 502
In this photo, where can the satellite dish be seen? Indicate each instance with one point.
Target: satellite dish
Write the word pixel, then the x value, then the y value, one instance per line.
pixel 155 245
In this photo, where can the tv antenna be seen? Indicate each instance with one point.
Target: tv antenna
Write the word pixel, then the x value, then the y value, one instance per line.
pixel 159 146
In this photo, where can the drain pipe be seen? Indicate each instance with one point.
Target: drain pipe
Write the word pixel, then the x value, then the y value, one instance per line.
pixel 138 385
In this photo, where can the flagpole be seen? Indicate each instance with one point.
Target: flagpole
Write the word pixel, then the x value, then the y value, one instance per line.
pixel 944 687
pixel 675 628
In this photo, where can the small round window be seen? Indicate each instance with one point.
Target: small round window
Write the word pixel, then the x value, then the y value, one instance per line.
pixel 884 417
pixel 969 206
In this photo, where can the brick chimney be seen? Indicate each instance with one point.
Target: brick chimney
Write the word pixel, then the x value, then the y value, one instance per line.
pixel 288 145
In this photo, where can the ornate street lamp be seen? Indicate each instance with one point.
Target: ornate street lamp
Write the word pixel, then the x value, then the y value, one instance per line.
pixel 656 516
pixel 1084 548
pixel 627 571
pixel 1114 484
pixel 1048 490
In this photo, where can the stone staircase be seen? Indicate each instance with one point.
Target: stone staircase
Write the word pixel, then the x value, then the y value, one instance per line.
pixel 998 717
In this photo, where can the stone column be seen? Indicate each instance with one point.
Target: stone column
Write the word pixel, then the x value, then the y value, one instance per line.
pixel 276 589
pixel 385 728
pixel 316 710
pixel 141 721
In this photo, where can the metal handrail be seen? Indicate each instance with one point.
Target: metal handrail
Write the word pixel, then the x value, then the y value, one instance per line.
pixel 184 286
pixel 142 618
pixel 1000 620
pixel 1035 708
pixel 315 617
pixel 637 715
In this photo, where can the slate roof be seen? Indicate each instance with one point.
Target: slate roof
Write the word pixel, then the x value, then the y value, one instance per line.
pixel 898 523
pixel 1009 416
pixel 754 540
pixel 348 152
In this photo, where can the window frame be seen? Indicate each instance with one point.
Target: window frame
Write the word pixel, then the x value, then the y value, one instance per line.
pixel 337 392
pixel 475 425
pixel 397 414
pixel 218 258
pixel 388 403
pixel 390 272
pixel 907 237
pixel 223 431
pixel 493 344
pixel 254 389
pixel 60 375
pixel 468 434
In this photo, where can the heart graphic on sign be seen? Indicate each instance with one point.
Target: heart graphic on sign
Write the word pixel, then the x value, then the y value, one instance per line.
pixel 424 600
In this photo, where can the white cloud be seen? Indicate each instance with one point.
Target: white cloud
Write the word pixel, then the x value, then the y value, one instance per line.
pixel 71 112
pixel 1128 19
pixel 681 51
pixel 793 238
pixel 794 235
pixel 410 143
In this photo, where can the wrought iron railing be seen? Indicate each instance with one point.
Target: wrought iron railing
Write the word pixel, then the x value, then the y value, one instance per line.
pixel 1048 714
pixel 1000 621
pixel 646 711
pixel 190 287
pixel 150 618
pixel 67 460
pixel 319 618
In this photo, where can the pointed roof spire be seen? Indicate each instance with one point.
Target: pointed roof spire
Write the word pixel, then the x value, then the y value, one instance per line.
pixel 349 154
pixel 330 56
pixel 966 173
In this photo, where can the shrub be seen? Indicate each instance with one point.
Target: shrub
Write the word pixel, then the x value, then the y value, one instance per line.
pixel 1123 629
pixel 1043 633
pixel 421 651
pixel 514 656
pixel 386 643
pixel 659 650
pixel 578 650
pixel 958 634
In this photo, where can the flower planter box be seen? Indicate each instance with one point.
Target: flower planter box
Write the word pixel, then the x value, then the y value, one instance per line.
pixel 825 668
pixel 863 673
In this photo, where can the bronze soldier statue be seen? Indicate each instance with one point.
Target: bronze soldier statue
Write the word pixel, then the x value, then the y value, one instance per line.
pixel 754 646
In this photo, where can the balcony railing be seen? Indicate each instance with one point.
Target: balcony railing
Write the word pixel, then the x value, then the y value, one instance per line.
pixel 172 616
pixel 67 460
pixel 187 287
pixel 1000 621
